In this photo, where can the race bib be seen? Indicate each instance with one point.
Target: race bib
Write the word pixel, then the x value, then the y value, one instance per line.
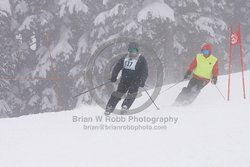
pixel 130 63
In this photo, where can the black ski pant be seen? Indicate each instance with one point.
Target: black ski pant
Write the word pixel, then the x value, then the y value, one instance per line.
pixel 189 93
pixel 131 88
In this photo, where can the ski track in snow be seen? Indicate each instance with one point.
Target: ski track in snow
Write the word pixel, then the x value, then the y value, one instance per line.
pixel 209 133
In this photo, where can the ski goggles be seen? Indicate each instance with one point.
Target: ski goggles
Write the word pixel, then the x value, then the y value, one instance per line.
pixel 132 50
pixel 205 52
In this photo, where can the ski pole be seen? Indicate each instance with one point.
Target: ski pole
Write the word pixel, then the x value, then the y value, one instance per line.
pixel 91 89
pixel 172 86
pixel 220 92
pixel 151 99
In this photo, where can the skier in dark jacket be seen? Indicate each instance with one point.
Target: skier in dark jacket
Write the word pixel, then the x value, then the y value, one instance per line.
pixel 134 75
pixel 204 68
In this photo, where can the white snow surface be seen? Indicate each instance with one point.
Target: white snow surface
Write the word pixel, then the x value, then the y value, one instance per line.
pixel 211 132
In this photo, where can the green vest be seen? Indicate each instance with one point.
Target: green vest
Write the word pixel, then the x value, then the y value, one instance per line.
pixel 204 68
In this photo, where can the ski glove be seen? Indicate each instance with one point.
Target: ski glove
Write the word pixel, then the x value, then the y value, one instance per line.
pixel 214 80
pixel 187 75
pixel 113 79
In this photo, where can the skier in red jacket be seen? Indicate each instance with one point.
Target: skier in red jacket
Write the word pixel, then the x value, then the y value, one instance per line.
pixel 204 68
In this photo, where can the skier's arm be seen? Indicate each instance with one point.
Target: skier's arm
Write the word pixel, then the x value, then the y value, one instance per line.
pixel 193 65
pixel 144 73
pixel 117 69
pixel 216 69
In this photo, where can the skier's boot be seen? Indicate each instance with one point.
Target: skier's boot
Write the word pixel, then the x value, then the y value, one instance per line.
pixel 124 110
pixel 109 110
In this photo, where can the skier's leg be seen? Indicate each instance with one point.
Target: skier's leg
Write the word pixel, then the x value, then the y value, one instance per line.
pixel 202 84
pixel 116 96
pixel 193 95
pixel 184 95
pixel 192 83
pixel 196 89
pixel 130 98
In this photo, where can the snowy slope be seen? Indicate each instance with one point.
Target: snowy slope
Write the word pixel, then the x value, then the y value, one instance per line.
pixel 209 133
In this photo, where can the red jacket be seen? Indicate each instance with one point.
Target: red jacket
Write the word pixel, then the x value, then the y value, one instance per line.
pixel 193 65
